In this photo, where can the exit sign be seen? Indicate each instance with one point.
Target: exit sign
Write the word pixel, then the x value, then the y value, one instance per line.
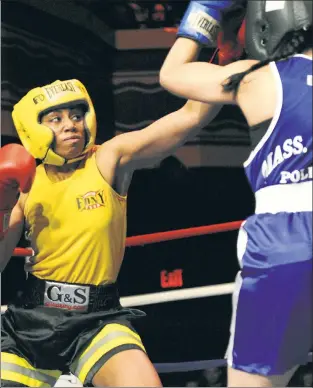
pixel 171 279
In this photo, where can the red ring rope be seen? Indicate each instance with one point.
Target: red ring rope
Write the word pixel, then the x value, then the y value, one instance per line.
pixel 144 239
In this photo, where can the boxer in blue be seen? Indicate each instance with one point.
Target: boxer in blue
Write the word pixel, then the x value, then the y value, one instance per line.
pixel 271 329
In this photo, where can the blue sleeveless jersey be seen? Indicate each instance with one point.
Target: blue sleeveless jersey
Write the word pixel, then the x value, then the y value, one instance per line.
pixel 271 327
pixel 284 154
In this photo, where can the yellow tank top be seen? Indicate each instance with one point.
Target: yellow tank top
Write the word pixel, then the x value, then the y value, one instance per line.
pixel 77 226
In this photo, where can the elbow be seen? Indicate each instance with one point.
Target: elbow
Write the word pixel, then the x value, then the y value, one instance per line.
pixel 163 78
pixel 166 79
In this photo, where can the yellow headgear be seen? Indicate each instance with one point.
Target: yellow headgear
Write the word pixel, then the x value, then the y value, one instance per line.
pixel 38 138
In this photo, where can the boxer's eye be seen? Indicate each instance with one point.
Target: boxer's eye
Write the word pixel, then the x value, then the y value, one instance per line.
pixel 77 117
pixel 54 120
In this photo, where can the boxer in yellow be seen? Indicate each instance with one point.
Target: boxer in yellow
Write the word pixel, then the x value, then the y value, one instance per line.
pixel 69 315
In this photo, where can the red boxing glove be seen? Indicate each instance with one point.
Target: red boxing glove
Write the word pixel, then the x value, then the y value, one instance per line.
pixel 231 50
pixel 17 172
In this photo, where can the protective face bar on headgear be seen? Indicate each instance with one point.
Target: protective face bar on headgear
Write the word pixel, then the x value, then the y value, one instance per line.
pixel 267 21
pixel 38 138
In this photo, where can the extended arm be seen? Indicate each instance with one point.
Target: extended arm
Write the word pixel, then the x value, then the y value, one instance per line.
pixel 142 148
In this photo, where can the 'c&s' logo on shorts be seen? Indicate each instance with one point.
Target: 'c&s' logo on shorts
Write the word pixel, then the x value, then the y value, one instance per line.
pixel 91 200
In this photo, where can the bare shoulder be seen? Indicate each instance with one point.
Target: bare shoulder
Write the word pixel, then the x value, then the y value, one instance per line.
pixel 109 152
pixel 236 67
pixel 108 157
pixel 225 72
pixel 258 89
pixel 242 65
pixel 258 74
pixel 245 65
pixel 107 160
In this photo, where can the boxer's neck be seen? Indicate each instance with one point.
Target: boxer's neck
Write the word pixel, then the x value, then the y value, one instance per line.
pixel 59 173
pixel 308 52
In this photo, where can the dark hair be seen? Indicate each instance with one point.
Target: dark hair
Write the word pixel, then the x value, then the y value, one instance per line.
pixel 293 42
pixel 232 18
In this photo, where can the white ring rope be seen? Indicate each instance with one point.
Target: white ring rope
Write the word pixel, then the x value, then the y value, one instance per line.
pixel 173 295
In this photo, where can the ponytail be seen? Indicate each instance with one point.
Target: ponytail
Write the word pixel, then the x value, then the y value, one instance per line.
pixel 293 42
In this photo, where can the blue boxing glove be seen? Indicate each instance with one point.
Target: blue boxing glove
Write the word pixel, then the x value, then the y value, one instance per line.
pixel 201 21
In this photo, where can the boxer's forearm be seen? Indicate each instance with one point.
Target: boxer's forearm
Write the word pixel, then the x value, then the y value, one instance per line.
pixel 203 113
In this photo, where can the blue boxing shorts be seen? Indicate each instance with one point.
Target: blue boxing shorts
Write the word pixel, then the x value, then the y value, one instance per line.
pixel 271 329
